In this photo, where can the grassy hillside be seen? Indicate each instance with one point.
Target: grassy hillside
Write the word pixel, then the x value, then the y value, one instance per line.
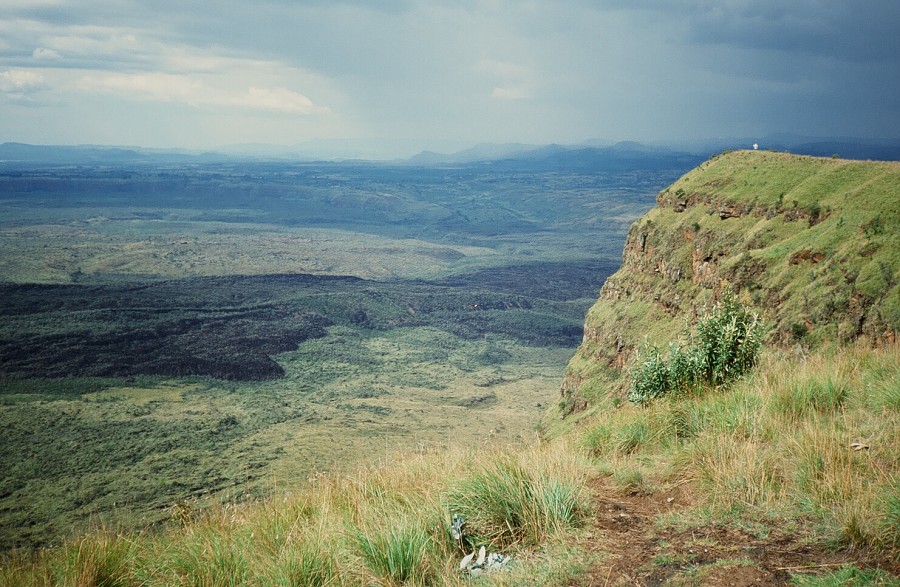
pixel 791 477
pixel 810 242
pixel 788 476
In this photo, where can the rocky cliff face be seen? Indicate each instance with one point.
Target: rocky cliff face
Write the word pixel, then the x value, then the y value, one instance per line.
pixel 811 242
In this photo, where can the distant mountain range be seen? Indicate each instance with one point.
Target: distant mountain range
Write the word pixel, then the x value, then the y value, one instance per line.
pixel 593 154
pixel 21 153
pixel 585 153
pixel 617 157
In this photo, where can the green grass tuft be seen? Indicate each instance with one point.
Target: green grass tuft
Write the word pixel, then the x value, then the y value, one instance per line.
pixel 505 504
pixel 814 395
pixel 398 554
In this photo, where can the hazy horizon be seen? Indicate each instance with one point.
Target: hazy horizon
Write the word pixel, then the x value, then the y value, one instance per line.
pixel 405 75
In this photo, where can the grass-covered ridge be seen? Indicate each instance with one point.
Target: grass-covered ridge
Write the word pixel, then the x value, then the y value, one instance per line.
pixel 810 242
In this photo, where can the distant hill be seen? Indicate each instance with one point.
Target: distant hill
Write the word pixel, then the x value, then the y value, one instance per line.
pixel 812 242
pixel 20 153
pixel 618 157
pixel 480 152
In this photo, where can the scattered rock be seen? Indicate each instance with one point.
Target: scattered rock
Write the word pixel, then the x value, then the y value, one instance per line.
pixel 485 563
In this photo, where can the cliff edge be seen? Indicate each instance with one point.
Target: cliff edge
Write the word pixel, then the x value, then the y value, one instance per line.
pixel 813 243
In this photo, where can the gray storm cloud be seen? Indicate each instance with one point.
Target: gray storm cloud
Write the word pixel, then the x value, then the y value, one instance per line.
pixel 475 71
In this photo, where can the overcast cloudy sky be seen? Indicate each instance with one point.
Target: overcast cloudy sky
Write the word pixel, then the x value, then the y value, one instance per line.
pixel 182 73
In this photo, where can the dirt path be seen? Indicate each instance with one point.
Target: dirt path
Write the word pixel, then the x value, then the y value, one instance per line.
pixel 636 551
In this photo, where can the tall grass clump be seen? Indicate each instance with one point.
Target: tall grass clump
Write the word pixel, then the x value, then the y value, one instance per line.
pixel 506 501
pixel 737 474
pixel 813 395
pixel 398 554
pixel 306 566
pixel 725 346
pixel 213 557
pixel 848 576
pixel 101 560
pixel 887 528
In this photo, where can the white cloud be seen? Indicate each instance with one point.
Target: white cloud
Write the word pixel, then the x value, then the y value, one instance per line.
pixel 20 80
pixel 139 64
pixel 512 93
pixel 514 81
pixel 20 86
pixel 96 42
pixel 191 91
pixel 156 87
pixel 278 99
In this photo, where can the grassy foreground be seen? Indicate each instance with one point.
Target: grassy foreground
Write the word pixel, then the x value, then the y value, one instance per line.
pixel 817 437
pixel 804 447
pixel 386 524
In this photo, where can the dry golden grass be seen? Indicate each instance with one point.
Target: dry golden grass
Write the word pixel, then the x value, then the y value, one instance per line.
pixel 816 437
pixel 387 524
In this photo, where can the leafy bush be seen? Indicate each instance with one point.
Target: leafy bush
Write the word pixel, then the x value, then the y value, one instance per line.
pixel 728 341
pixel 726 345
pixel 650 375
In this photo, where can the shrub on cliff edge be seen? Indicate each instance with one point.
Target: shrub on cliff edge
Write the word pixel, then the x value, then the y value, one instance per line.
pixel 725 346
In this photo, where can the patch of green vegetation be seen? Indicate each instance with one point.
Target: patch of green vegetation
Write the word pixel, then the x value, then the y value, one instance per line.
pixel 848 576
pixel 503 504
pixel 398 555
pixel 725 347
pixel 631 480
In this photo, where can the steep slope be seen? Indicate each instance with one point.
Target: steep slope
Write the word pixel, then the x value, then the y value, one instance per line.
pixel 811 242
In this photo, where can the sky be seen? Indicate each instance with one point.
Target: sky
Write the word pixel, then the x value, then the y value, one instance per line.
pixel 403 75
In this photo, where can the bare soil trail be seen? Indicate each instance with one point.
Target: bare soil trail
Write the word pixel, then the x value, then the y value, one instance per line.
pixel 636 550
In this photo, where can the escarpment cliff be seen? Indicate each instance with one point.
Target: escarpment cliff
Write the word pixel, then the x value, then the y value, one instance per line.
pixel 813 243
